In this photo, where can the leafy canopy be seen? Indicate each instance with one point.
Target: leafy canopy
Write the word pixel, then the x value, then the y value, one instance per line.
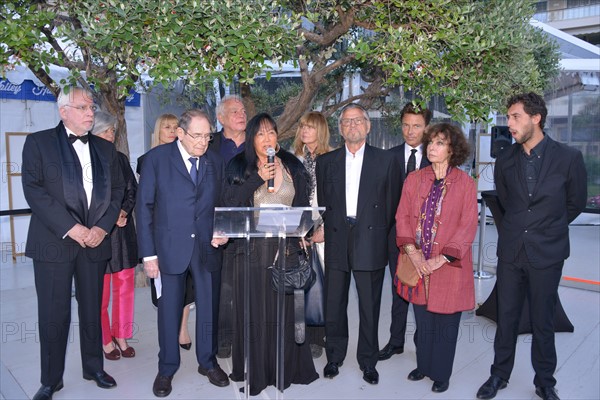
pixel 194 40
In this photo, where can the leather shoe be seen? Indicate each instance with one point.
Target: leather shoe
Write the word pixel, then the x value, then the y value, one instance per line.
pixel 46 392
pixel 370 375
pixel 215 375
pixel 389 350
pixel 439 386
pixel 490 388
pixel 102 379
pixel 114 355
pixel 162 385
pixel 331 370
pixel 415 375
pixel 185 346
pixel 547 393
pixel 129 351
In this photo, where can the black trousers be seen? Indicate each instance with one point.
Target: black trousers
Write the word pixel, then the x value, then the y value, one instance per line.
pixel 435 339
pixel 53 284
pixel 368 286
pixel 225 330
pixel 515 281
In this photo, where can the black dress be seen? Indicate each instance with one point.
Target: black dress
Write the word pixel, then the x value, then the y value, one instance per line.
pixel 298 364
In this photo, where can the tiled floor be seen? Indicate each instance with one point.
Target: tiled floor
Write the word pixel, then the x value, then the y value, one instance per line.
pixel 578 353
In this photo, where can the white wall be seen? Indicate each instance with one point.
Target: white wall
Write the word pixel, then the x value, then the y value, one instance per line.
pixel 32 116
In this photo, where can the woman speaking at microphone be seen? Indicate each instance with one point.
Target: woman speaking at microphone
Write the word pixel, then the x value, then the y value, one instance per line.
pixel 248 177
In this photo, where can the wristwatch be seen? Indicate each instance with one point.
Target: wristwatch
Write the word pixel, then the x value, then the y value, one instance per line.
pixel 409 248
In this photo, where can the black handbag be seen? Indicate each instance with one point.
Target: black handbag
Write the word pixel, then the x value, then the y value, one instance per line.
pixel 315 299
pixel 297 278
pixel 298 275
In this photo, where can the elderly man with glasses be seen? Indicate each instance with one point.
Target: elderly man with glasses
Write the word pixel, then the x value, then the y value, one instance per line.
pixel 356 185
pixel 73 210
pixel 180 185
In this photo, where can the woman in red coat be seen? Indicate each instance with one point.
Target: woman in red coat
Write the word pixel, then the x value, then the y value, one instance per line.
pixel 436 223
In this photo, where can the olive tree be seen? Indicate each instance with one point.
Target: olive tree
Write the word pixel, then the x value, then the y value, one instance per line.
pixel 111 45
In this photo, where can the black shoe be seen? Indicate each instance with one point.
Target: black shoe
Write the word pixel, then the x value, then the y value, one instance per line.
pixel 185 346
pixel 102 379
pixel 439 386
pixel 546 393
pixel 415 375
pixel 370 375
pixel 46 392
pixel 162 385
pixel 490 388
pixel 331 370
pixel 215 375
pixel 389 350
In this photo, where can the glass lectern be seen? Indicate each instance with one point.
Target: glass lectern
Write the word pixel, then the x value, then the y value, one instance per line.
pixel 265 222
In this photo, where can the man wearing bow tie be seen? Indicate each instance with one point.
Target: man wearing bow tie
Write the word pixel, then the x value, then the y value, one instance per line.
pixel 180 185
pixel 74 187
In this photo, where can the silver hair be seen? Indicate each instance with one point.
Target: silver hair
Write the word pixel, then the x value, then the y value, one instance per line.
pixel 64 97
pixel 221 106
pixel 103 121
pixel 349 107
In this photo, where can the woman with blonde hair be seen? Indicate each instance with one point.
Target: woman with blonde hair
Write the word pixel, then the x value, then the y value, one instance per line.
pixel 164 129
pixel 312 140
pixel 164 132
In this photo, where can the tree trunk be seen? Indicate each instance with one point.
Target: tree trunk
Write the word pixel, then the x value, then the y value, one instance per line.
pixel 109 102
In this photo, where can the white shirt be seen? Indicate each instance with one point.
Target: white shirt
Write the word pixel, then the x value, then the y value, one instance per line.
pixel 354 164
pixel 185 155
pixel 83 153
pixel 418 155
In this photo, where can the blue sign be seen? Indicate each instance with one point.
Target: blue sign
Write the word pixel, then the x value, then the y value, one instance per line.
pixel 30 91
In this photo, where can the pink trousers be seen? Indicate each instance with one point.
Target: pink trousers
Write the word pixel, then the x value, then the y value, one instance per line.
pixel 123 287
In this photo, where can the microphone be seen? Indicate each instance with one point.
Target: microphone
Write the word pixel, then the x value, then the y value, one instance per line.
pixel 270 160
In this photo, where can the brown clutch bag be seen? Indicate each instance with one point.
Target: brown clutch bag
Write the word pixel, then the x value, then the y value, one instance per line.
pixel 406 272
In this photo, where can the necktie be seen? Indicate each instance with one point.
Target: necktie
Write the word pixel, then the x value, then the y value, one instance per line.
pixel 83 138
pixel 412 161
pixel 194 170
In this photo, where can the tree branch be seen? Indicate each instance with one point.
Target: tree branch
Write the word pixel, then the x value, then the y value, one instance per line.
pixel 338 30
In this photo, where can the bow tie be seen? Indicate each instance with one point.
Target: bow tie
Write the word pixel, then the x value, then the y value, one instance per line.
pixel 83 138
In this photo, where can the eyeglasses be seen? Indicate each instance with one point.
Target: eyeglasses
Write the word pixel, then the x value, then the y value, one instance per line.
pixel 353 121
pixel 206 137
pixel 92 108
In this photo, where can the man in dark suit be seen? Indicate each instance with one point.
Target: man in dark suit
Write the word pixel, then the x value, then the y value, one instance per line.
pixel 180 185
pixel 228 142
pixel 74 187
pixel 411 158
pixel 542 185
pixel 356 186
